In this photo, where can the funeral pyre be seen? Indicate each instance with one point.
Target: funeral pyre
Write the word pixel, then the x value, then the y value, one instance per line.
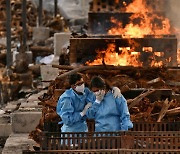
pixel 156 95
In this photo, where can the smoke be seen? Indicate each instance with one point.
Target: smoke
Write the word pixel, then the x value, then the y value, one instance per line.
pixel 172 12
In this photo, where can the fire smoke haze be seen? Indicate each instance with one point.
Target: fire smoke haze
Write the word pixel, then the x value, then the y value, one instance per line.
pixel 173 14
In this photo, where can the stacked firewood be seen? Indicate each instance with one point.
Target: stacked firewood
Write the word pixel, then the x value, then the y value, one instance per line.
pixel 16 18
pixel 3 17
pixel 21 75
pixel 141 107
pixel 12 82
pixel 32 14
pixel 56 24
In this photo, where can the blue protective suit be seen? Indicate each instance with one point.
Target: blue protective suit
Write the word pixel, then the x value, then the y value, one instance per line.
pixel 111 114
pixel 69 106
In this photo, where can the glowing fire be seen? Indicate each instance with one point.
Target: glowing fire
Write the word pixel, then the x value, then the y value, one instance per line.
pixel 125 56
pixel 143 21
pixel 178 56
pixel 146 22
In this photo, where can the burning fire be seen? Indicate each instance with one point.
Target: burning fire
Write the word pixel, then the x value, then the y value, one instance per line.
pixel 140 30
pixel 178 56
pixel 125 56
pixel 142 22
pixel 149 23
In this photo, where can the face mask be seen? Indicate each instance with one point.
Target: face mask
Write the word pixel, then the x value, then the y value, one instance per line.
pixel 97 93
pixel 80 88
pixel 100 93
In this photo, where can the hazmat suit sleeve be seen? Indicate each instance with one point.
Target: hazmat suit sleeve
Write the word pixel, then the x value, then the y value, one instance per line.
pixel 91 112
pixel 66 111
pixel 124 113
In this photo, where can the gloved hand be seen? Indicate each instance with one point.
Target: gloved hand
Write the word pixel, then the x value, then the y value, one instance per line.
pixel 99 95
pixel 87 106
pixel 116 92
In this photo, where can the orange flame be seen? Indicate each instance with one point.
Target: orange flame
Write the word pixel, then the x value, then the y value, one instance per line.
pixel 146 25
pixel 178 56
pixel 142 22
pixel 124 57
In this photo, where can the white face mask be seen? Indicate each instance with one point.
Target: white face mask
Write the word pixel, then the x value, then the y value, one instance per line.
pixel 100 93
pixel 80 88
pixel 97 93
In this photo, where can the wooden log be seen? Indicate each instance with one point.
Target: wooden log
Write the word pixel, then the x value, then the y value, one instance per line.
pixel 164 109
pixel 63 67
pixel 35 69
pixel 135 101
pixel 97 67
pixel 109 67
pixel 9 90
pixel 41 49
pixel 172 83
pixel 51 116
pixel 104 72
pixel 155 81
pixel 174 111
pixel 80 69
pixel 170 112
pixel 139 72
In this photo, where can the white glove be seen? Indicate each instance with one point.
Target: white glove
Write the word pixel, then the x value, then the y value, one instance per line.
pixel 116 92
pixel 87 106
pixel 99 96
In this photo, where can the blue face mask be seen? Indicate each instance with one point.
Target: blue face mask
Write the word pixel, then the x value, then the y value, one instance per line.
pixel 80 88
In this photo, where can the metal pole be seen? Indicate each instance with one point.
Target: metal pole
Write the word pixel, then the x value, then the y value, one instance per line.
pixel 40 12
pixel 24 17
pixel 55 8
pixel 8 34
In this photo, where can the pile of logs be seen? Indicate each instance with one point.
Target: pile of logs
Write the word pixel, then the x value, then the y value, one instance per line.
pixel 55 24
pixel 141 107
pixel 12 82
pixel 16 18
pixel 10 85
pixel 32 14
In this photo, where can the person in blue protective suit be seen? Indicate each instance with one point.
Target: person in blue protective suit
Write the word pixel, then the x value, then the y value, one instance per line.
pixel 73 104
pixel 110 114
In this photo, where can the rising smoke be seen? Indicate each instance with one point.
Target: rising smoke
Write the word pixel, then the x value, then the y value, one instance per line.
pixel 172 12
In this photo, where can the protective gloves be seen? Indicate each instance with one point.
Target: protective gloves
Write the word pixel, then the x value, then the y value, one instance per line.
pixel 87 106
pixel 116 92
pixel 99 96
